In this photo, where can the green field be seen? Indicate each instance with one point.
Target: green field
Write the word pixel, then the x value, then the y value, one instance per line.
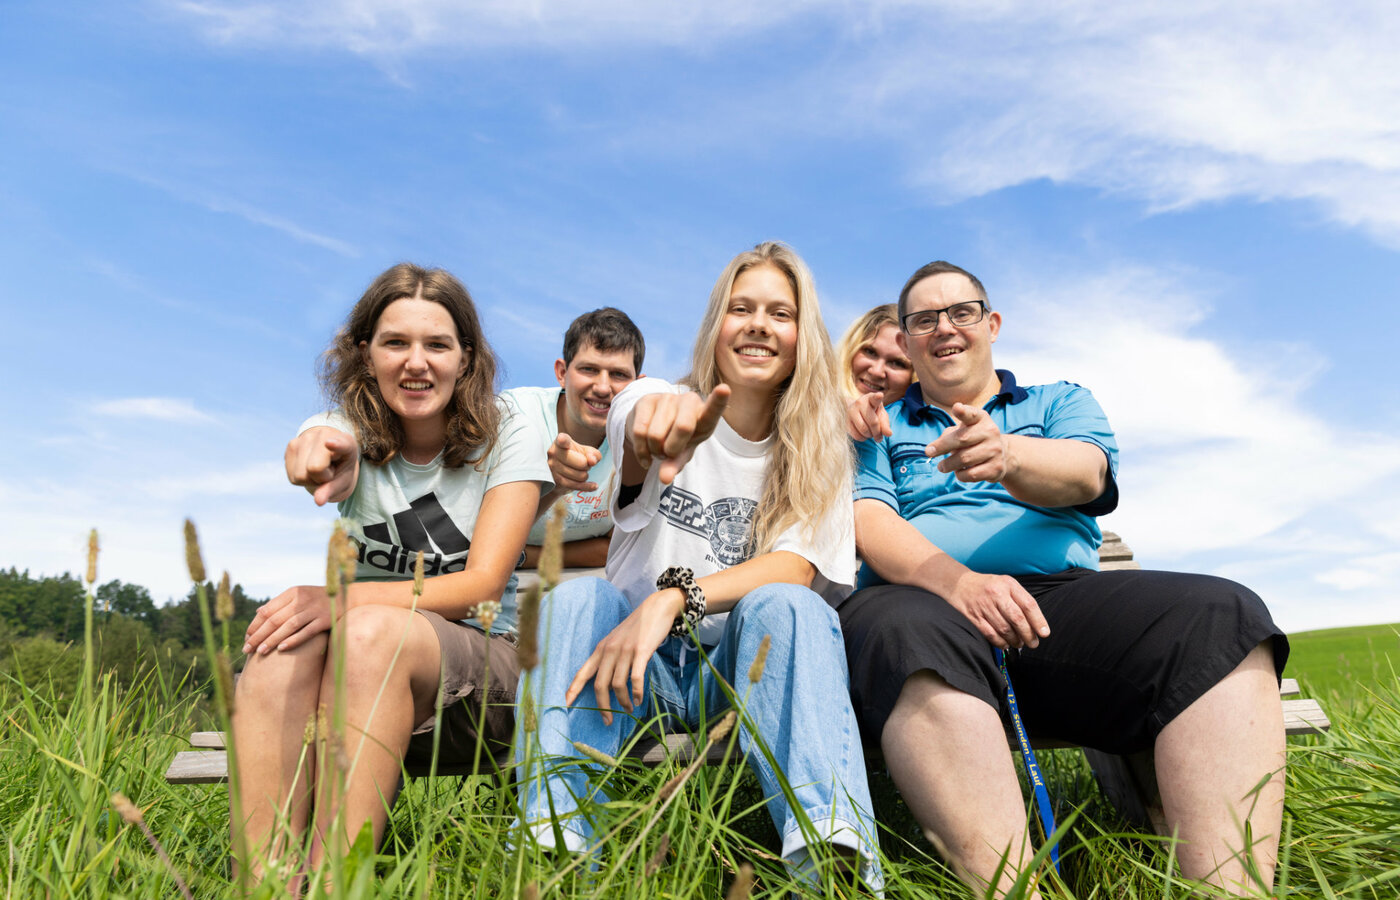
pixel 63 757
pixel 1344 665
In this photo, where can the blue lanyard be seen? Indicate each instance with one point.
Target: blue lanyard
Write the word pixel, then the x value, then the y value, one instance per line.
pixel 1042 796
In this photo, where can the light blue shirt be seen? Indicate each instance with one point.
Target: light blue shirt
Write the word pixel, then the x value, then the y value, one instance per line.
pixel 979 523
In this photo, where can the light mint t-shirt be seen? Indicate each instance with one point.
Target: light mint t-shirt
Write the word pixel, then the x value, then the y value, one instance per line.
pixel 401 507
pixel 586 512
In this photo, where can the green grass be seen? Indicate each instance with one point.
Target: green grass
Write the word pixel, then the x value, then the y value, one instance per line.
pixel 1338 665
pixel 60 763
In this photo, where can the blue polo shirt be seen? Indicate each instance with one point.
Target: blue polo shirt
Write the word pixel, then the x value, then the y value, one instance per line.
pixel 979 523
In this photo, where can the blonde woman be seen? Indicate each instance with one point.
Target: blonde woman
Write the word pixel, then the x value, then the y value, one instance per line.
pixel 732 522
pixel 871 360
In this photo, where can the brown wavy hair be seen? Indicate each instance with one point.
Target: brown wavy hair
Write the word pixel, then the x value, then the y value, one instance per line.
pixel 473 419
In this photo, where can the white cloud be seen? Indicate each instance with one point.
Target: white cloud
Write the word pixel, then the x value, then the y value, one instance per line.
pixel 165 409
pixel 1225 467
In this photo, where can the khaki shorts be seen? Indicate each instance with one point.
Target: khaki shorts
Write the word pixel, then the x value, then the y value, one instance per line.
pixel 477 696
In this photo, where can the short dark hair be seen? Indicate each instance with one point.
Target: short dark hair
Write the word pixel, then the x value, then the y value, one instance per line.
pixel 608 330
pixel 937 267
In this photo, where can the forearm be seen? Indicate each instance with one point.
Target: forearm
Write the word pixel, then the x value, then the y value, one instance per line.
pixel 900 554
pixel 725 588
pixel 588 553
pixel 453 596
pixel 1054 472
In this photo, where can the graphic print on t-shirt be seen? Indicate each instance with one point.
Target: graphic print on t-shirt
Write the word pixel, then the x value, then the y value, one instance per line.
pixel 727 524
pixel 425 526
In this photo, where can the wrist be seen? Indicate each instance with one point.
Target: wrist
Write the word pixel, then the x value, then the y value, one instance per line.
pixel 682 580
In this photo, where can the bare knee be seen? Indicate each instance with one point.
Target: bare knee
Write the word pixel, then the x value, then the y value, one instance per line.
pixel 268 680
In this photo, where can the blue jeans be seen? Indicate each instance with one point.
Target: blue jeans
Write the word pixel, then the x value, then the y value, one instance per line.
pixel 800 708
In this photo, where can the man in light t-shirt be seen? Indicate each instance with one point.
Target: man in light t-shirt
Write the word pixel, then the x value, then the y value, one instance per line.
pixel 603 352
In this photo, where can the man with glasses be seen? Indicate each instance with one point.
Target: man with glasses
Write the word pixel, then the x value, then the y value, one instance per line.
pixel 976 505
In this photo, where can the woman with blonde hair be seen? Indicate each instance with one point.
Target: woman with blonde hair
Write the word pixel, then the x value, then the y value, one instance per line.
pixel 870 357
pixel 419 457
pixel 732 523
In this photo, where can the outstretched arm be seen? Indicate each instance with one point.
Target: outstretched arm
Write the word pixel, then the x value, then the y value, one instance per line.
pixel 1049 472
pixel 1001 609
pixel 619 663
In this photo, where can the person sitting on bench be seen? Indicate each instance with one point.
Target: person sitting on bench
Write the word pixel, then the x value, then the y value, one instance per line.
pixel 440 467
pixel 603 352
pixel 975 510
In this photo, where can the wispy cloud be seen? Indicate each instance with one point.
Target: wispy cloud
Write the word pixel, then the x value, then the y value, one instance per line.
pixel 166 409
pixel 248 212
pixel 1172 104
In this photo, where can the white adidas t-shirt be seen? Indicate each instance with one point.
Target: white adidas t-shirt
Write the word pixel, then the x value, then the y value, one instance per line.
pixel 586 513
pixel 401 507
pixel 704 518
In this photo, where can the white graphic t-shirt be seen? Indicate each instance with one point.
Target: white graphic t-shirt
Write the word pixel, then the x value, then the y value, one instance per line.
pixel 401 507
pixel 585 512
pixel 704 518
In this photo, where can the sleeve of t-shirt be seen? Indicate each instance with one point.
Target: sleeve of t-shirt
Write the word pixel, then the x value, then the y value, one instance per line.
pixel 517 455
pixel 332 419
pixel 874 477
pixel 1074 414
pixel 522 407
pixel 637 513
pixel 831 548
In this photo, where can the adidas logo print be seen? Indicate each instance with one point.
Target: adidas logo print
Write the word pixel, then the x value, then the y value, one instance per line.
pixel 425 526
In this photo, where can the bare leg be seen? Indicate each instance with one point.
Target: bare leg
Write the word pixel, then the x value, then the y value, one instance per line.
pixel 276 698
pixel 947 753
pixel 1210 759
pixel 391 684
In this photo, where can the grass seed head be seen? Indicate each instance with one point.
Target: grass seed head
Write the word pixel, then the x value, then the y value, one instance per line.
pixel 669 787
pixel 528 720
pixel 531 891
pixel 723 727
pixel 126 809
pixel 552 551
pixel 658 859
pixel 486 613
pixel 760 659
pixel 598 756
pixel 92 558
pixel 418 574
pixel 527 650
pixel 743 884
pixel 223 600
pixel 193 560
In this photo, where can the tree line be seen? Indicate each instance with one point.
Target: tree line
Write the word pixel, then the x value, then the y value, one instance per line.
pixel 41 630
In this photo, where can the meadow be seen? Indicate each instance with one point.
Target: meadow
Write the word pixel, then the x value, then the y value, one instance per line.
pixel 85 811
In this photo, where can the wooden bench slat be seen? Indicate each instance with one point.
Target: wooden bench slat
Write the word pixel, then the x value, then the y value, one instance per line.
pixel 1304 717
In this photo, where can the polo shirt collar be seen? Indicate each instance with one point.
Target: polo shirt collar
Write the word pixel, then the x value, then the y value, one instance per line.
pixel 1010 393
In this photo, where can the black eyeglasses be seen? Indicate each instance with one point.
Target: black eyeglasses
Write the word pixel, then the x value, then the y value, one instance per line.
pixel 961 315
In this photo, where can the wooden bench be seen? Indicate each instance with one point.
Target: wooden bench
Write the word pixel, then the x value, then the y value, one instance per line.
pixel 1129 782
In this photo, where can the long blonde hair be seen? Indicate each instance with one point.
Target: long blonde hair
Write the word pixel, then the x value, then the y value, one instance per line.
pixel 861 332
pixel 809 462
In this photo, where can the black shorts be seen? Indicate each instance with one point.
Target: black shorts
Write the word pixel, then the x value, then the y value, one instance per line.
pixel 1128 651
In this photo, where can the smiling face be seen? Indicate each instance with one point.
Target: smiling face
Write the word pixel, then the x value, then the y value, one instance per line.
pixel 590 381
pixel 881 366
pixel 415 358
pixel 954 364
pixel 757 344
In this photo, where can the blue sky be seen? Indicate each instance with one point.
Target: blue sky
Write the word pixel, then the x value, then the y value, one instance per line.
pixel 1193 211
